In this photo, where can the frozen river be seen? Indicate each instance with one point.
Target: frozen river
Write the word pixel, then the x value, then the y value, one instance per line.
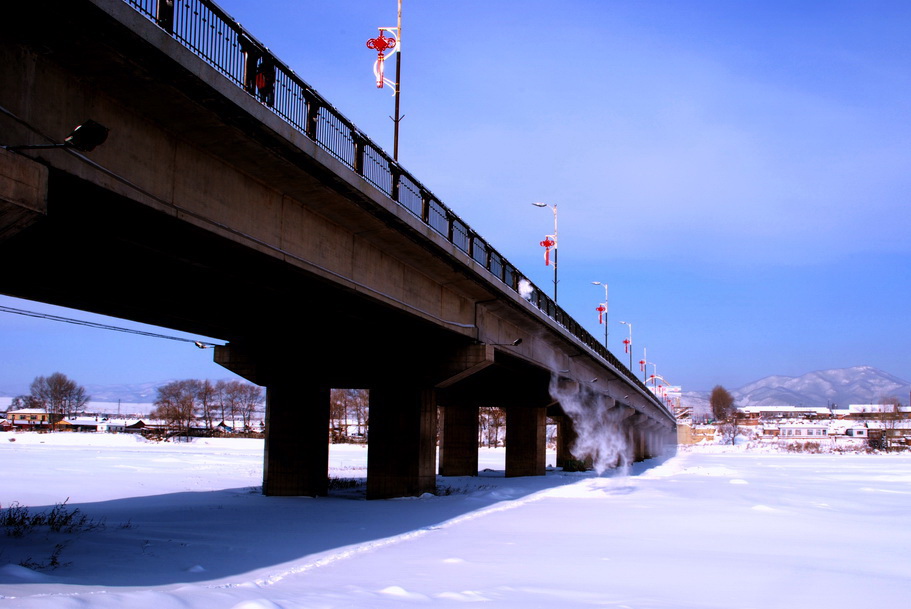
pixel 184 525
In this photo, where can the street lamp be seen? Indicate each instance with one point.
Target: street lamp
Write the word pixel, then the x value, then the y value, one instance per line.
pixel 629 343
pixel 380 44
pixel 84 138
pixel 550 243
pixel 605 311
pixel 654 375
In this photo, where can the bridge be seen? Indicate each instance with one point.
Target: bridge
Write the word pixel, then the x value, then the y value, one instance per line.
pixel 222 195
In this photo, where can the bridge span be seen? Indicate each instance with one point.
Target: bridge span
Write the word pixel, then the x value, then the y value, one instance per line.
pixel 231 200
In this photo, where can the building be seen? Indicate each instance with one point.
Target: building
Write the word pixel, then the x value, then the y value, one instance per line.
pixel 29 418
pixel 754 415
pixel 803 431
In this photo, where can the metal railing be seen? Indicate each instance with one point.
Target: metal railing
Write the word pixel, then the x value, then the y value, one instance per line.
pixel 207 30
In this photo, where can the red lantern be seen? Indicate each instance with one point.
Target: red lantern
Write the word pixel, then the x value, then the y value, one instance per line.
pixel 642 365
pixel 601 309
pixel 626 344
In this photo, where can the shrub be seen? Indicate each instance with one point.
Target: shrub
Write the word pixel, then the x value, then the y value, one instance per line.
pixel 18 520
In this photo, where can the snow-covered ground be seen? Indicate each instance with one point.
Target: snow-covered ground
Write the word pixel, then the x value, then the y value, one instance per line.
pixel 185 526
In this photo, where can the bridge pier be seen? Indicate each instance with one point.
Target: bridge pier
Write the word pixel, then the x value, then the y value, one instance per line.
pixel 296 458
pixel 296 454
pixel 526 441
pixel 566 439
pixel 459 441
pixel 401 444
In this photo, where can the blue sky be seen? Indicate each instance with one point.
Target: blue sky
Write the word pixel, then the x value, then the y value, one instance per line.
pixel 737 172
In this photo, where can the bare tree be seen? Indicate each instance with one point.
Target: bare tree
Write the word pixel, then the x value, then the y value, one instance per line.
pixel 722 404
pixel 176 404
pixel 61 396
pixel 26 401
pixel 889 416
pixel 348 406
pixel 228 400
pixel 207 396
pixel 338 415
pixel 250 402
pixel 730 430
pixel 491 421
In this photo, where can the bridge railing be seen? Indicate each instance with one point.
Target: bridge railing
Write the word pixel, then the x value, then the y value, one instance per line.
pixel 212 34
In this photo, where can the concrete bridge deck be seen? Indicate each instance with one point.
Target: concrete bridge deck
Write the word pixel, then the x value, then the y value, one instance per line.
pixel 213 212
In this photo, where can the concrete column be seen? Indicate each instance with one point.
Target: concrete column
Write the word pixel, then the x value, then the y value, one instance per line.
pixel 401 446
pixel 629 430
pixel 526 441
pixel 566 437
pixel 650 451
pixel 459 441
pixel 297 439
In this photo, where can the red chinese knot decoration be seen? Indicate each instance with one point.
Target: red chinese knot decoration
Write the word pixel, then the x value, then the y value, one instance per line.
pixel 626 343
pixel 548 244
pixel 601 309
pixel 380 44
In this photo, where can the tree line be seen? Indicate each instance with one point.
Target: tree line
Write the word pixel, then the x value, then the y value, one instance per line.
pixel 182 404
pixel 179 403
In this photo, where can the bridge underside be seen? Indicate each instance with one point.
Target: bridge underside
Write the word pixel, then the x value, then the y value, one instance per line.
pixel 205 213
pixel 297 335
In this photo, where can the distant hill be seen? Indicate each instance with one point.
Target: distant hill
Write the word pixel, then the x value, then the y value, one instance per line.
pixel 838 387
pixel 139 393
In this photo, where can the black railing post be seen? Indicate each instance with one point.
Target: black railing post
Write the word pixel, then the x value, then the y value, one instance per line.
pixel 359 142
pixel 313 107
pixel 164 15
pixel 425 206
pixel 396 173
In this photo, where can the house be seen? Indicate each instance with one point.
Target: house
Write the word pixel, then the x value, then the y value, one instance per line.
pixel 770 431
pixel 82 424
pixel 754 415
pixel 29 418
pixel 803 431
pixel 694 434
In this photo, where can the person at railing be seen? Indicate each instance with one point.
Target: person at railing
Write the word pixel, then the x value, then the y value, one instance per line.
pixel 265 79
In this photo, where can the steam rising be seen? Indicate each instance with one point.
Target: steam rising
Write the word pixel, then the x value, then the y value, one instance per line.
pixel 525 289
pixel 601 432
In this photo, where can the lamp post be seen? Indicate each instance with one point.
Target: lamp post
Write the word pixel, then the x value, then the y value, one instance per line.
pixel 550 243
pixel 398 84
pixel 643 363
pixel 606 308
pixel 381 44
pixel 629 343
pixel 654 376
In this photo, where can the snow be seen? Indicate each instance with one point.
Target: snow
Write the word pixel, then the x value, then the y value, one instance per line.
pixel 186 526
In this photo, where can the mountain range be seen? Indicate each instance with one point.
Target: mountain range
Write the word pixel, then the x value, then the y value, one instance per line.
pixel 833 388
